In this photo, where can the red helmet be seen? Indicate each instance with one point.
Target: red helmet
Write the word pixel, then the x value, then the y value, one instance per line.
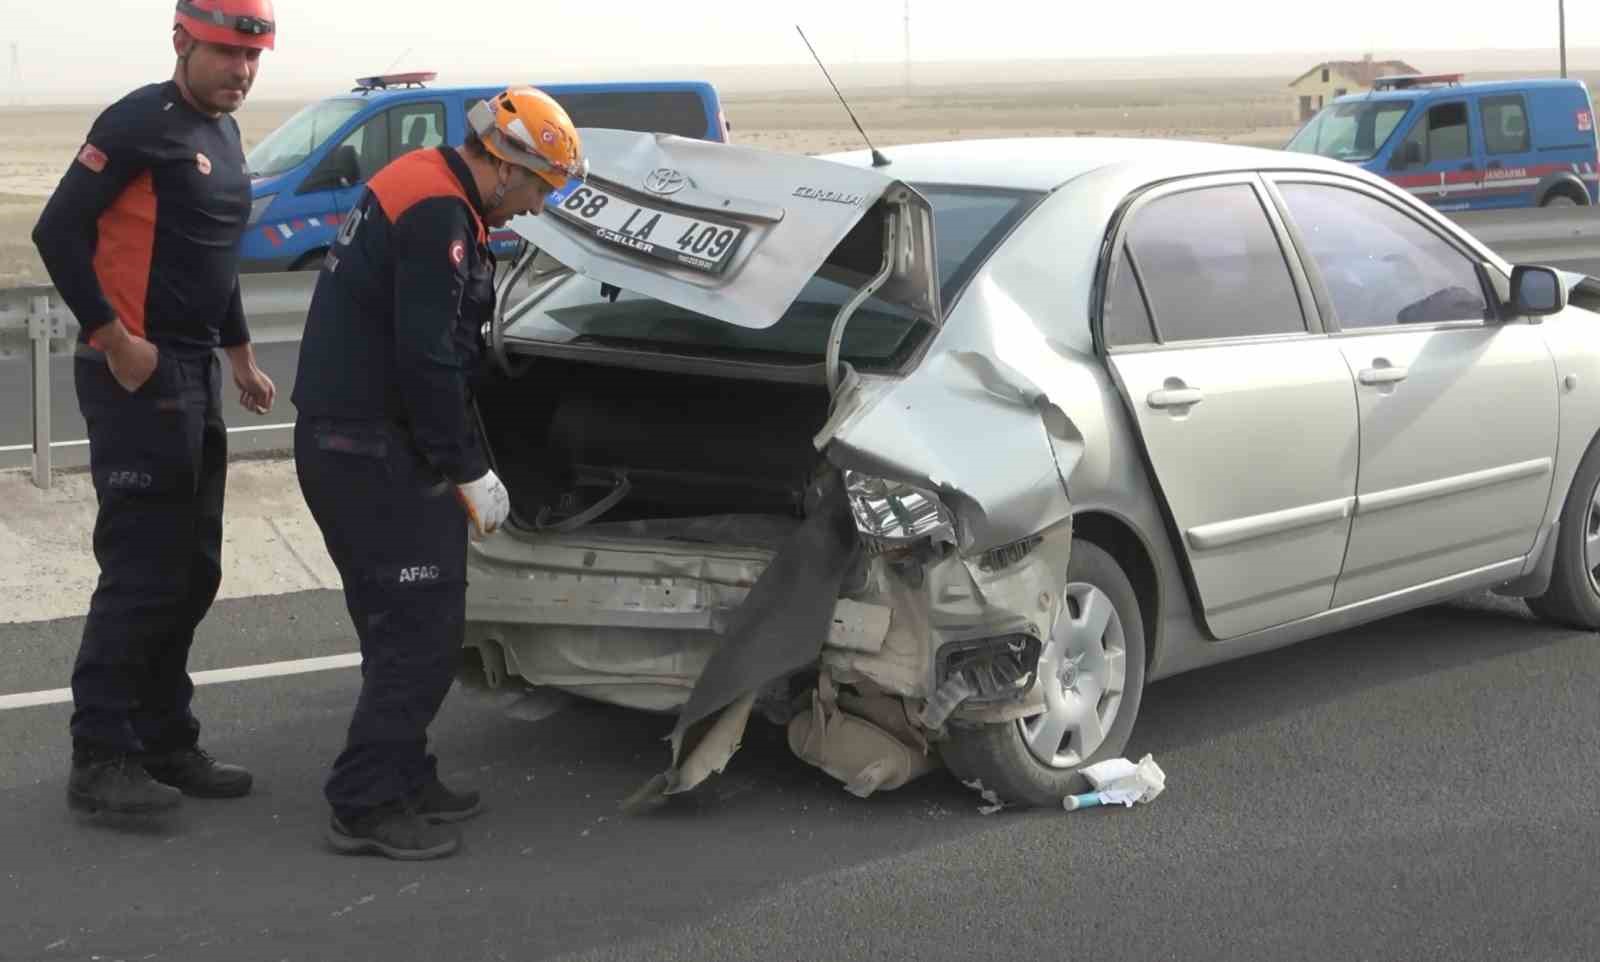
pixel 234 23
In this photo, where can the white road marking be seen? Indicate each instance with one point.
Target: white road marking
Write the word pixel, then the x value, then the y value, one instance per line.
pixel 56 696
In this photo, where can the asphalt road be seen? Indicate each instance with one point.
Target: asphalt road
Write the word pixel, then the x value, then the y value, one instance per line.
pixel 279 359
pixel 1424 788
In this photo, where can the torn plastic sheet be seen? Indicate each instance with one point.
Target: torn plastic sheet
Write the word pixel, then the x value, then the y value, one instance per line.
pixel 1118 781
pixel 779 629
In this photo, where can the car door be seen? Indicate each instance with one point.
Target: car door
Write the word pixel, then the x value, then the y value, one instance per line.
pixel 1458 410
pixel 1509 175
pixel 1439 159
pixel 1245 410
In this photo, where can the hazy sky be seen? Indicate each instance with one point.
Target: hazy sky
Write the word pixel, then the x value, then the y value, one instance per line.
pixel 109 45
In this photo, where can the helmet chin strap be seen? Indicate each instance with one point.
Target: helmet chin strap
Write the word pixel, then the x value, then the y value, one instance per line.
pixel 500 189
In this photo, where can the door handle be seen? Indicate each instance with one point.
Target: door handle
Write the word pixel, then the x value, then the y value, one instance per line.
pixel 1383 374
pixel 1175 397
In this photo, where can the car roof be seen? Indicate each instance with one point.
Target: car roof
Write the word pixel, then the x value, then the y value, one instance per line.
pixel 1474 87
pixel 1044 163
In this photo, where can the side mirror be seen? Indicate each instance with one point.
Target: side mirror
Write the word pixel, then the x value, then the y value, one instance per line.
pixel 1536 292
pixel 1409 155
pixel 342 169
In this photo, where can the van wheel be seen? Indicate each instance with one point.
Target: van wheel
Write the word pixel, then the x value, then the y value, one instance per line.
pixel 1559 199
pixel 1573 598
pixel 1092 667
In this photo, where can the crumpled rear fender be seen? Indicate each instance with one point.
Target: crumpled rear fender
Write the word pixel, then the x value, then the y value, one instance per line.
pixel 971 423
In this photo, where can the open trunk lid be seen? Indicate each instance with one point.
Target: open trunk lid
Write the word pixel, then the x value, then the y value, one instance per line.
pixel 735 232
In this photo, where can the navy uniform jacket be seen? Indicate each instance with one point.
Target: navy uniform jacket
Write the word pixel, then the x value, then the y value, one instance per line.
pixel 393 329
pixel 145 224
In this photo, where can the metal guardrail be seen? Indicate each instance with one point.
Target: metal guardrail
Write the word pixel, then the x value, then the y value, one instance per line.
pixel 1537 235
pixel 35 322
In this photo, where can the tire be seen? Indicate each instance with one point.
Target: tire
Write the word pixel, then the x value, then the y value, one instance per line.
pixel 1573 598
pixel 1559 199
pixel 999 755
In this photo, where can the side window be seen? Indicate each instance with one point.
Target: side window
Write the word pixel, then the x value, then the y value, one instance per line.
pixel 415 126
pixel 1212 267
pixel 1441 136
pixel 363 153
pixel 1505 124
pixel 1380 266
pixel 1126 319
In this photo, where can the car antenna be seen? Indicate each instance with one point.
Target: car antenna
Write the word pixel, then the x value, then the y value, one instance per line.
pixel 878 160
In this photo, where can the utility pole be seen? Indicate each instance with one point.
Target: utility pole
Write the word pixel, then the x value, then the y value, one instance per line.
pixel 908 49
pixel 1561 9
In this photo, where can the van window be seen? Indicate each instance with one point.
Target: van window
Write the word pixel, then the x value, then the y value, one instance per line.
pixel 1352 131
pixel 680 112
pixel 1505 124
pixel 358 157
pixel 415 126
pixel 1441 136
pixel 300 136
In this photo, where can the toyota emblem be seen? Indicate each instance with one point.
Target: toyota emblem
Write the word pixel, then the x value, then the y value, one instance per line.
pixel 664 180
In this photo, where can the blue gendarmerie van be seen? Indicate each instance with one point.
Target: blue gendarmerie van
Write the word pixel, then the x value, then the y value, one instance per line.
pixel 308 174
pixel 1467 146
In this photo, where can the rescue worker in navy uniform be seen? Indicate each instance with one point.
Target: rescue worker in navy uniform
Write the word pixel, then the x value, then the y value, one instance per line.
pixel 140 238
pixel 387 451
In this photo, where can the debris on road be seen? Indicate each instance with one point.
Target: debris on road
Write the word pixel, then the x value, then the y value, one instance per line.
pixel 1118 781
pixel 995 804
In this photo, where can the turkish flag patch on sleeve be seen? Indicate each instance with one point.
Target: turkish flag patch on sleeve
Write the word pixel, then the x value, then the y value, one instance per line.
pixel 458 251
pixel 92 157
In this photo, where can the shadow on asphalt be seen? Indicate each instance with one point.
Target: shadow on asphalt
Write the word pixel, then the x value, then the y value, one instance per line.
pixel 1204 704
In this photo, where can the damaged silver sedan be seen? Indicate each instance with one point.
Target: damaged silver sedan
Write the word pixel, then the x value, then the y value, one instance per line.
pixel 939 463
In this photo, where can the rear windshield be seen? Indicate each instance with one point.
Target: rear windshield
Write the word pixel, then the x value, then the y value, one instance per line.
pixel 680 112
pixel 968 224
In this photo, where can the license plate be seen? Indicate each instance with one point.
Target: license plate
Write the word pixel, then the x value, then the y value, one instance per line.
pixel 696 242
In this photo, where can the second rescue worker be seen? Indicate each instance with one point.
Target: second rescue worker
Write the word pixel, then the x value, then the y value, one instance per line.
pixel 387 452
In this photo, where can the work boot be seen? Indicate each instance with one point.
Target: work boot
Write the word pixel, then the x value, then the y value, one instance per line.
pixel 116 783
pixel 395 831
pixel 196 773
pixel 436 803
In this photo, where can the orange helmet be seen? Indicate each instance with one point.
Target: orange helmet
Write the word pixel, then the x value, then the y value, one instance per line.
pixel 525 126
pixel 234 23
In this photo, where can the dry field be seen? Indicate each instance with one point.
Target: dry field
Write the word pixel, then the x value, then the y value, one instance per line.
pixel 40 141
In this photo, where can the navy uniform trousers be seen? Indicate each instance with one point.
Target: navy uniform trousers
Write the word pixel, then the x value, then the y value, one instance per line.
pixel 159 459
pixel 398 535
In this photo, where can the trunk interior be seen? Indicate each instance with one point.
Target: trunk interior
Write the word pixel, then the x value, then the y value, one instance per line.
pixel 691 446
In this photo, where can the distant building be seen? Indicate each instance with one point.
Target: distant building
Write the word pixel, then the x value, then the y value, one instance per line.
pixel 1335 78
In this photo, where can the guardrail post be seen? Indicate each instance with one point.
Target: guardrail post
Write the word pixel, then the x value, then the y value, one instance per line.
pixel 39 341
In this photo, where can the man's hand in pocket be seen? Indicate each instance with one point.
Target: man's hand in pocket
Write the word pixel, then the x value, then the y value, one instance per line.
pixel 132 359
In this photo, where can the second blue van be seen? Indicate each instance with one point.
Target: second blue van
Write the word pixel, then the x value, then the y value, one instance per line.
pixel 307 174
pixel 1467 146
